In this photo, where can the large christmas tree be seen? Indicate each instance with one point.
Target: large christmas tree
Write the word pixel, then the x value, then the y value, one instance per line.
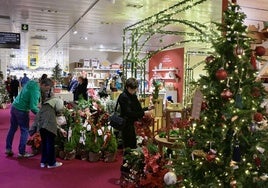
pixel 227 146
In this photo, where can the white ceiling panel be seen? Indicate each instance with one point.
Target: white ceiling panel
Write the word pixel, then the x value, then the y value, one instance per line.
pixel 100 23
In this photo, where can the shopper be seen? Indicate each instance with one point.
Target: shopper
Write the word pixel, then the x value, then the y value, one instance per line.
pixel 72 83
pixel 24 80
pixel 8 87
pixel 26 101
pixel 48 130
pixel 80 91
pixel 131 109
pixel 14 86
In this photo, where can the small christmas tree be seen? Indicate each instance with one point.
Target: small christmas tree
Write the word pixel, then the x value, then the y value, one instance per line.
pixel 4 98
pixel 57 73
pixel 227 145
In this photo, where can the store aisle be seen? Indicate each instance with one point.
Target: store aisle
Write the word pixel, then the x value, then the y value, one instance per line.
pixel 75 173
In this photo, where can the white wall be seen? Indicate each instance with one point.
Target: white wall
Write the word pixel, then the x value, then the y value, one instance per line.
pixel 112 57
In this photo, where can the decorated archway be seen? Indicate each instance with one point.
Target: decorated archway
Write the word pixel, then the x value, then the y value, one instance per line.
pixel 137 36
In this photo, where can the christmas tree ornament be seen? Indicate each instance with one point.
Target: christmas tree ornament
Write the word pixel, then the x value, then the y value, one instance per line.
pixel 253 127
pixel 255 92
pixel 209 59
pixel 238 51
pixel 257 160
pixel 260 50
pixel 234 165
pixel 191 142
pixel 238 101
pixel 264 177
pixel 226 94
pixel 221 74
pixel 234 118
pixel 236 152
pixel 258 117
pixel 211 156
pixel 253 60
pixel 260 149
pixel 204 105
pixel 233 183
pixel 170 178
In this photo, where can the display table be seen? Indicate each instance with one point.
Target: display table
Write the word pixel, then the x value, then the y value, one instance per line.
pixel 65 95
pixel 163 142
pixel 168 120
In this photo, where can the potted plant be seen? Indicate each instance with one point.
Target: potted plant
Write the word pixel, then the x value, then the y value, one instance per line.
pixel 69 151
pixel 93 146
pixel 109 147
pixel 4 98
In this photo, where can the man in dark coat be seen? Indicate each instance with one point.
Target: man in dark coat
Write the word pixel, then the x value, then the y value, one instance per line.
pixel 14 87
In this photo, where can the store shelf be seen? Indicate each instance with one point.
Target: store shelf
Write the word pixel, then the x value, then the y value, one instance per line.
pixel 160 78
pixel 165 70
pixel 91 78
pixel 94 69
pixel 95 75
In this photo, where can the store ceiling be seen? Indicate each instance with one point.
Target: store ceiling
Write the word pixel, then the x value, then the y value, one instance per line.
pixel 99 23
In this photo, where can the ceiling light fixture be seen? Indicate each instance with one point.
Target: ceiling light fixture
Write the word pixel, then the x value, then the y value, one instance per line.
pixel 88 9
pixel 75 32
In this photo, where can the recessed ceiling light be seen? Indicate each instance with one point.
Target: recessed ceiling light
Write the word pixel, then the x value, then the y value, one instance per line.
pixel 132 5
pixel 106 23
pixel 49 10
pixel 41 30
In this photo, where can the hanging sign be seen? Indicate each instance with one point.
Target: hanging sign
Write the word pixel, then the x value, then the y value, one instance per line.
pixel 24 27
pixel 9 40
pixel 33 61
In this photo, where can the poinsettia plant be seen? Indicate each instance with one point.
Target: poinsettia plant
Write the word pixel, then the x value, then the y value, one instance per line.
pixel 146 167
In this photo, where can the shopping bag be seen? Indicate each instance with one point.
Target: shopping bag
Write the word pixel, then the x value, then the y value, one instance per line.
pixel 117 122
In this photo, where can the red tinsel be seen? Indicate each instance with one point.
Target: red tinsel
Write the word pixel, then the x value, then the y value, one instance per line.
pixel 258 117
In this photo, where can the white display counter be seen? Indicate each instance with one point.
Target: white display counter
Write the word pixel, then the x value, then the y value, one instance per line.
pixel 65 95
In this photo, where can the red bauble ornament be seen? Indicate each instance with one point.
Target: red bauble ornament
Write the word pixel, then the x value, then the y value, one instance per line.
pixel 210 157
pixel 221 74
pixel 257 161
pixel 238 51
pixel 255 92
pixel 226 94
pixel 260 50
pixel 209 59
pixel 204 105
pixel 258 117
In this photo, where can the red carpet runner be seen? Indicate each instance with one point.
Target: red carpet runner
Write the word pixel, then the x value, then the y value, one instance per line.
pixel 75 173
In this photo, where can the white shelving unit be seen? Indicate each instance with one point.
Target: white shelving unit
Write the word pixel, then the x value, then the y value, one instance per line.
pixel 168 76
pixel 95 75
